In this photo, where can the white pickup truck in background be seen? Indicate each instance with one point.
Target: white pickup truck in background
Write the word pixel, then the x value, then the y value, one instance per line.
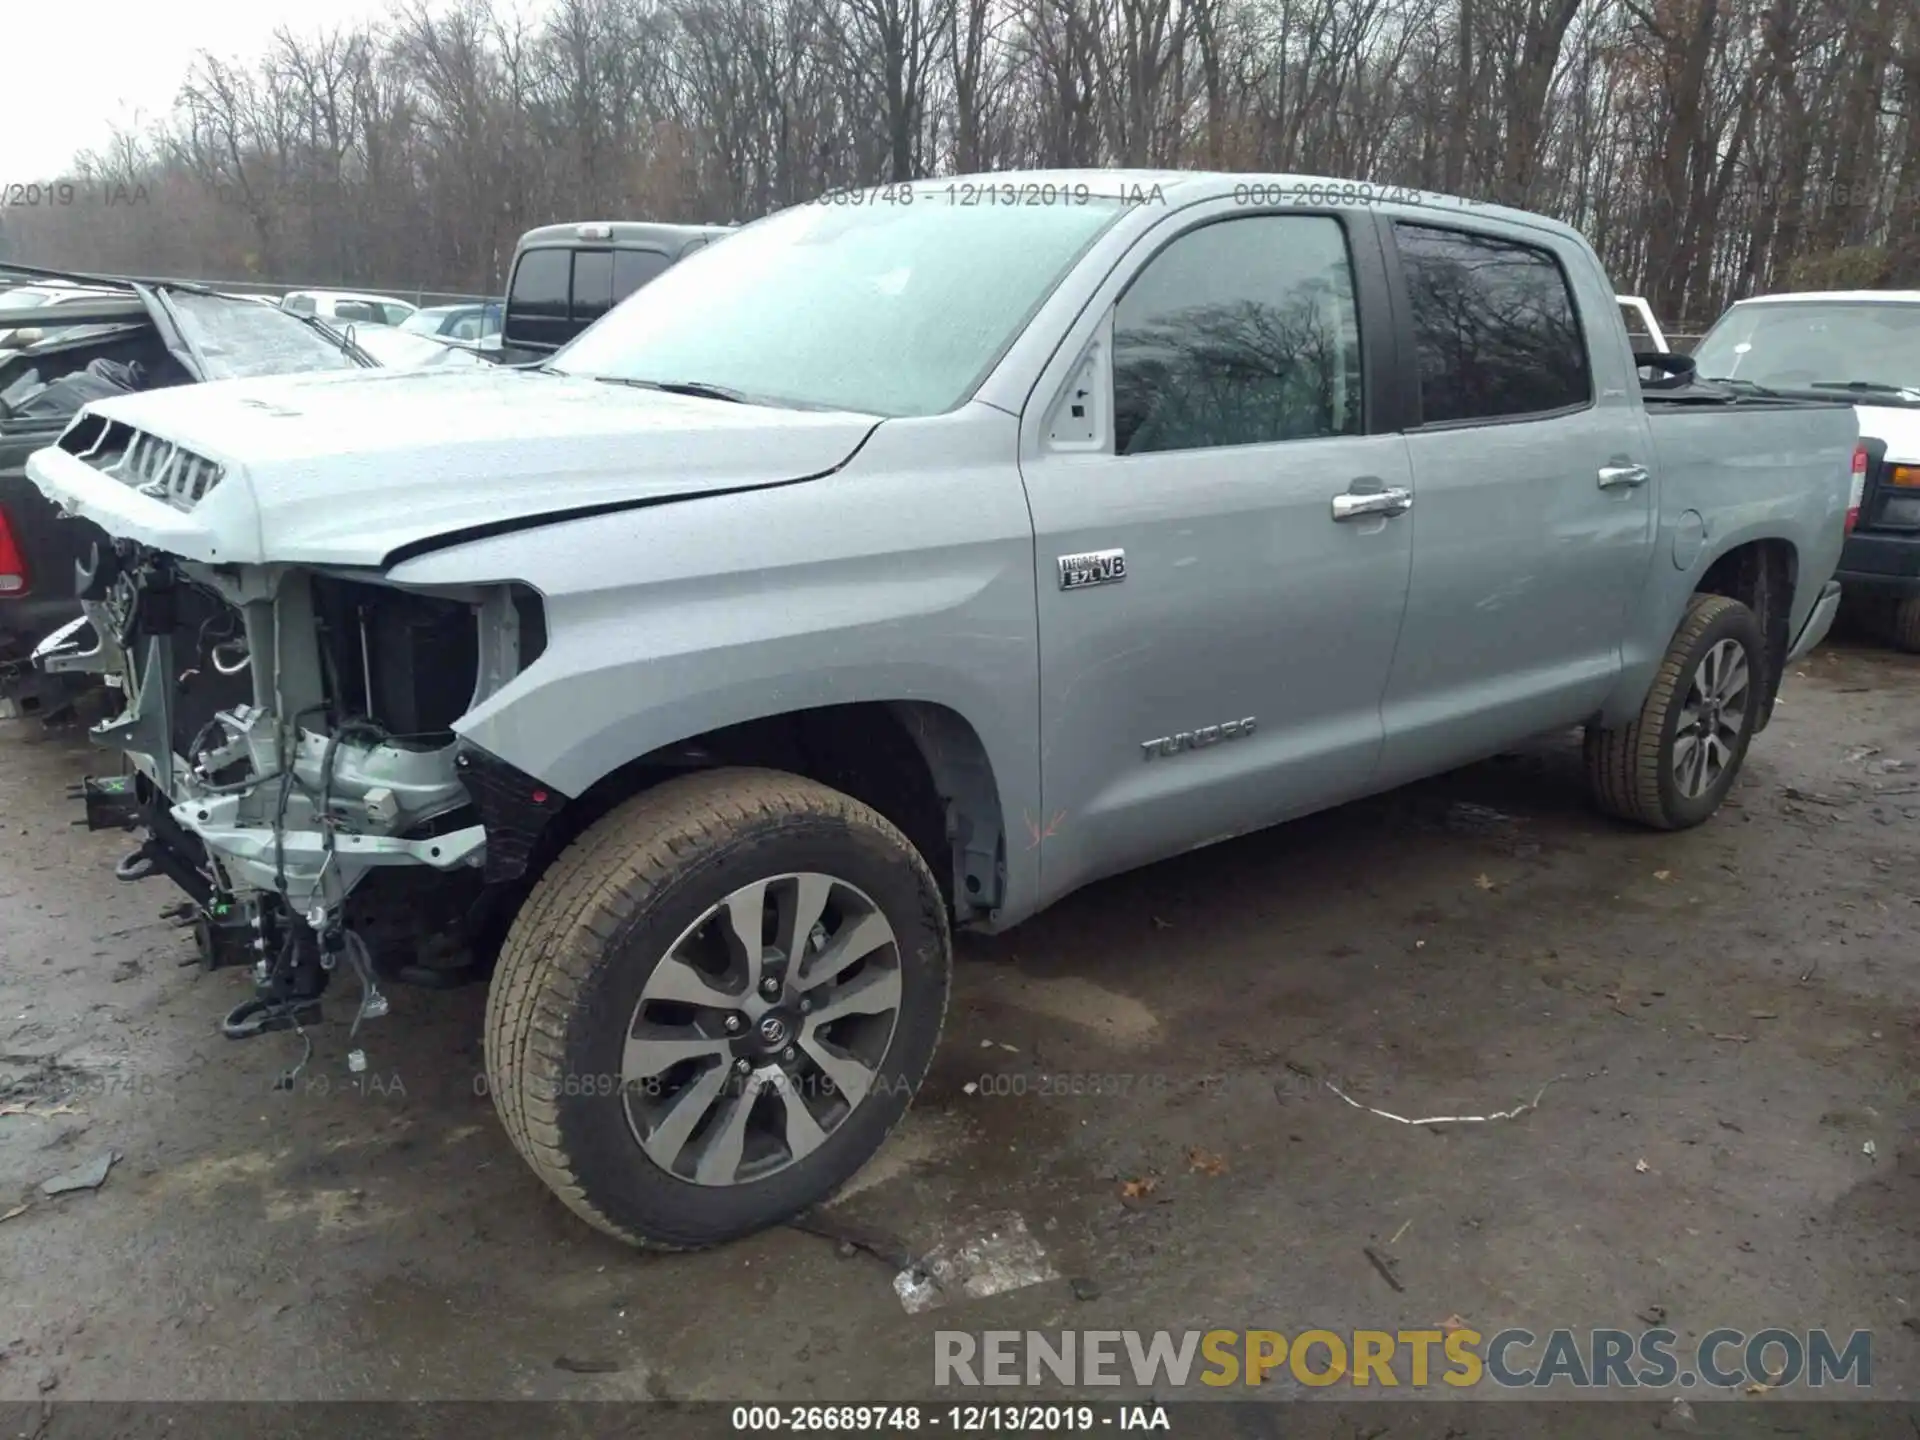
pixel 1863 346
pixel 1639 317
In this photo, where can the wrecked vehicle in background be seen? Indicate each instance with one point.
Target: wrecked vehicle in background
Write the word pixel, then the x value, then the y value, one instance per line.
pixel 91 338
pixel 899 564
pixel 22 307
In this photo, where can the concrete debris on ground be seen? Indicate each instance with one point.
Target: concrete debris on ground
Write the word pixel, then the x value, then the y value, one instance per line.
pixel 90 1176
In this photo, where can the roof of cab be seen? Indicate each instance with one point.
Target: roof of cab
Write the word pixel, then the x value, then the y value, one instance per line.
pixel 639 234
pixel 1851 297
pixel 1187 186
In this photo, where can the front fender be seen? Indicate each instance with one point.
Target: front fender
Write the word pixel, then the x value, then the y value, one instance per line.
pixel 902 579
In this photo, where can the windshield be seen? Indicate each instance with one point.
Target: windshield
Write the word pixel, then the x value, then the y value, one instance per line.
pixel 884 307
pixel 398 350
pixel 238 339
pixel 425 322
pixel 1803 344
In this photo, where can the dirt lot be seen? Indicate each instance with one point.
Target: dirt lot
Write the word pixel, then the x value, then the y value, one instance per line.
pixel 1732 1142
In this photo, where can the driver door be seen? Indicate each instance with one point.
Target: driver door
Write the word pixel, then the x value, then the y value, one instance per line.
pixel 1223 541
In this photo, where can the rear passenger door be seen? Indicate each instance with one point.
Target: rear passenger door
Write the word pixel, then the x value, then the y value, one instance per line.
pixel 1531 458
pixel 1219 507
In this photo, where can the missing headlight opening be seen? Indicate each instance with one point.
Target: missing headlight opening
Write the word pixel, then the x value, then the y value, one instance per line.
pixel 292 733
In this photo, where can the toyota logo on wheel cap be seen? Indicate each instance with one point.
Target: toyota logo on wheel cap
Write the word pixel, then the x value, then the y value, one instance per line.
pixel 773 1030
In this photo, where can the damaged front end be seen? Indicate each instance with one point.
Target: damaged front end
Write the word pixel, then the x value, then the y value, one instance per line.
pixel 289 733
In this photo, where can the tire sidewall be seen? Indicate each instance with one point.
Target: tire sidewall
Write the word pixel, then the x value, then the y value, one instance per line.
pixel 1734 623
pixel 618 1176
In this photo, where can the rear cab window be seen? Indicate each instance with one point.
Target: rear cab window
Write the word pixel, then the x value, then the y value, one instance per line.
pixel 558 291
pixel 1496 331
pixel 634 268
pixel 592 285
pixel 537 301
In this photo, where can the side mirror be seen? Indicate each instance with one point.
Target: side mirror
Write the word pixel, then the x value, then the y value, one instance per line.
pixel 1676 370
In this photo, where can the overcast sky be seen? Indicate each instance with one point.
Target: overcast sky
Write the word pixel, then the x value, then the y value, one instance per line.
pixel 125 61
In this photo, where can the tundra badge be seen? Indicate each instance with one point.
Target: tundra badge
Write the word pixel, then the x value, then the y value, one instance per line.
pixel 1095 567
pixel 1197 739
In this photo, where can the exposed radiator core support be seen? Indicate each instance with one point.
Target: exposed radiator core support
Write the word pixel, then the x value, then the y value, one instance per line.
pixel 291 730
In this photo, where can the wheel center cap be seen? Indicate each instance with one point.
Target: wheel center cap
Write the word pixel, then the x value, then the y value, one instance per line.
pixel 774 1031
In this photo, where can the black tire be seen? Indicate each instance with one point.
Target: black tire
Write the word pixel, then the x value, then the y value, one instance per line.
pixel 1903 625
pixel 1870 615
pixel 1630 768
pixel 602 919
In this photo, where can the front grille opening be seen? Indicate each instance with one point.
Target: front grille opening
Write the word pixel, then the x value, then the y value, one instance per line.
pixel 154 466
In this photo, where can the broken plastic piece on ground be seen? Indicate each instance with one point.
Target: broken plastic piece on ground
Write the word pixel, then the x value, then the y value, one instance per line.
pixel 997 1255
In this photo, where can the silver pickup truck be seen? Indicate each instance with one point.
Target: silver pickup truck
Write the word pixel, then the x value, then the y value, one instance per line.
pixel 912 558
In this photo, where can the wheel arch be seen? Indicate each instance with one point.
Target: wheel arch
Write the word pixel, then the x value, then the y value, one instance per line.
pixel 1754 564
pixel 923 765
pixel 1763 573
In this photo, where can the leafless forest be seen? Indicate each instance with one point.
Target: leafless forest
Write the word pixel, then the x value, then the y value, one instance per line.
pixel 1710 148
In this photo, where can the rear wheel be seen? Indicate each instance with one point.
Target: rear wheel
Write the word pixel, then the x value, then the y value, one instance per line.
pixel 1672 766
pixel 715 1006
pixel 1903 624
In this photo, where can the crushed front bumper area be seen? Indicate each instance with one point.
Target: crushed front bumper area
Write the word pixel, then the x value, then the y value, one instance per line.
pixel 324 813
pixel 310 815
pixel 297 726
pixel 291 756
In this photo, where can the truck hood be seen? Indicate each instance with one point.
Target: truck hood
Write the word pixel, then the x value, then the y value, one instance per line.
pixel 350 469
pixel 1898 426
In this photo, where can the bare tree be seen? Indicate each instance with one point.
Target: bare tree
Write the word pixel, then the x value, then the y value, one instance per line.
pixel 1710 148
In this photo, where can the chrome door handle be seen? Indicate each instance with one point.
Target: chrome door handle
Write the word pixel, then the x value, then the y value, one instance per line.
pixel 1355 504
pixel 1615 477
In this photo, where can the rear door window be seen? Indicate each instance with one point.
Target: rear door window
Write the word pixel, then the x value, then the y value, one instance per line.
pixel 1495 327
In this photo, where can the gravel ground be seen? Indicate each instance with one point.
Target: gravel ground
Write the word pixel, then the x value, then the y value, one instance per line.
pixel 1141 1075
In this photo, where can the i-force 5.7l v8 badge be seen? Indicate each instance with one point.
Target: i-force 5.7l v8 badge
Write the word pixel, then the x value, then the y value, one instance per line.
pixel 1095 567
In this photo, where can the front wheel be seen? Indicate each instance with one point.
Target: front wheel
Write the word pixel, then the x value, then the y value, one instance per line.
pixel 1672 766
pixel 715 1006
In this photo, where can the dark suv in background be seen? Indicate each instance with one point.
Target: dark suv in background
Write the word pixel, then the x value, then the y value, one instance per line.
pixel 565 277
